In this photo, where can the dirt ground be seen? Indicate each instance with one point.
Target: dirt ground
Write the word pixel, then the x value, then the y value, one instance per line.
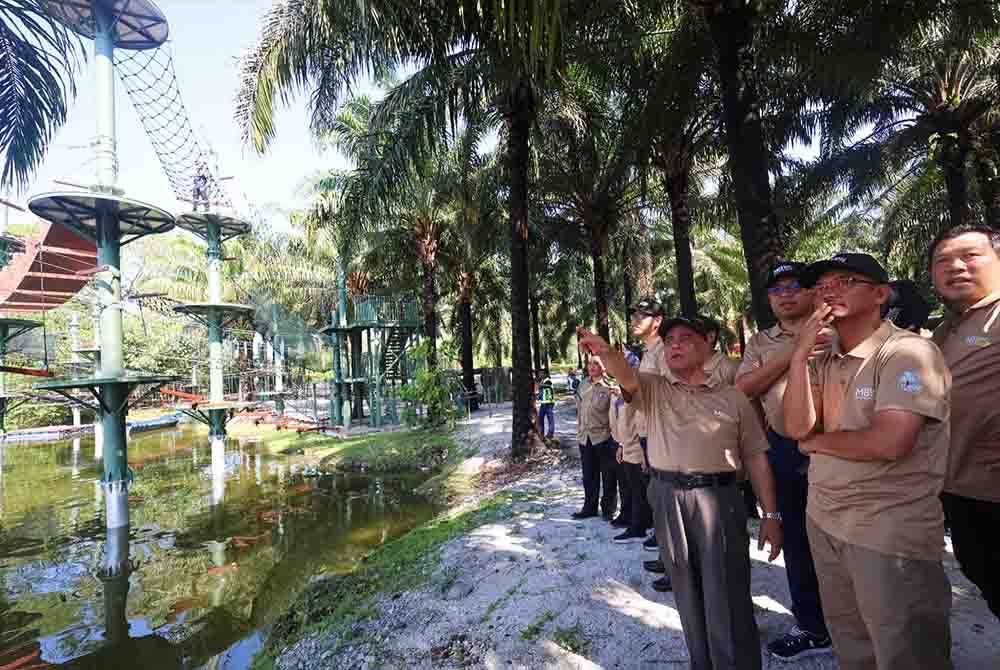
pixel 541 590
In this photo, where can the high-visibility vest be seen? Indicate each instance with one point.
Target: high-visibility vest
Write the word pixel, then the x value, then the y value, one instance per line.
pixel 548 397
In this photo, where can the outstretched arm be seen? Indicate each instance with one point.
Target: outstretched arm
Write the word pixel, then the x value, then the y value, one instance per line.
pixel 614 361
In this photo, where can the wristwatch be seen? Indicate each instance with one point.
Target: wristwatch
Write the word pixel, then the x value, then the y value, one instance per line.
pixel 772 515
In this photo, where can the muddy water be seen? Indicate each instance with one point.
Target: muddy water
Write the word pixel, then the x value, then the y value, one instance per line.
pixel 219 545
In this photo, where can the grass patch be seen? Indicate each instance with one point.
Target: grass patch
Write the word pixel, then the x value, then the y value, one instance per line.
pixel 533 631
pixel 502 600
pixel 573 639
pixel 395 452
pixel 339 603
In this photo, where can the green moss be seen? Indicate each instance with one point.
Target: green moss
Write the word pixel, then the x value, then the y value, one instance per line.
pixel 337 604
pixel 395 452
pixel 572 639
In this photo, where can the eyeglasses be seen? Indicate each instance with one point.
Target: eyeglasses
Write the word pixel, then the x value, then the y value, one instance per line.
pixel 842 284
pixel 794 287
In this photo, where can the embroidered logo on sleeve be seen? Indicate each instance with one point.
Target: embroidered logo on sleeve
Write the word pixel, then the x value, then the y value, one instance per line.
pixel 909 382
pixel 864 393
pixel 719 414
pixel 978 341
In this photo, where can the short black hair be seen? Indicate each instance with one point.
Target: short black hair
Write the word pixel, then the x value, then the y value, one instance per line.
pixel 992 234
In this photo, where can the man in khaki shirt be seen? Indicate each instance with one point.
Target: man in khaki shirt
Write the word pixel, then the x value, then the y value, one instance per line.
pixel 701 438
pixel 874 420
pixel 965 267
pixel 764 375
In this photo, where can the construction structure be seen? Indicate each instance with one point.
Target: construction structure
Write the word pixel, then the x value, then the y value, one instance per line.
pixel 370 336
pixel 102 215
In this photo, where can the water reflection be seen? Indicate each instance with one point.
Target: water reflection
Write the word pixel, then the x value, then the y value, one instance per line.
pixel 215 550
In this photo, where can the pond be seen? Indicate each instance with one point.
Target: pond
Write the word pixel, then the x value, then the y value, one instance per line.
pixel 220 544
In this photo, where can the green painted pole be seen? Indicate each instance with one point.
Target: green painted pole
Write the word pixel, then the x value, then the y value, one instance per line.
pixel 336 398
pixel 216 388
pixel 4 334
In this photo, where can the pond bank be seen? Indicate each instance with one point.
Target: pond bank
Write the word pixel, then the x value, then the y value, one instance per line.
pixel 520 584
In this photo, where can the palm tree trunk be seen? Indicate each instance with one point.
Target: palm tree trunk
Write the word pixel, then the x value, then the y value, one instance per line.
pixel 988 176
pixel 952 160
pixel 627 290
pixel 430 313
pixel 680 220
pixel 468 369
pixel 536 333
pixel 519 114
pixel 732 30
pixel 644 280
pixel 598 242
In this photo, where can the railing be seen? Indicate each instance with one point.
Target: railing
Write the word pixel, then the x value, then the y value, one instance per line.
pixel 375 310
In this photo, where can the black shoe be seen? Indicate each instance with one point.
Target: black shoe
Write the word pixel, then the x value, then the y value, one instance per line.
pixel 656 567
pixel 797 644
pixel 650 544
pixel 627 537
pixel 620 523
pixel 663 584
pixel 584 514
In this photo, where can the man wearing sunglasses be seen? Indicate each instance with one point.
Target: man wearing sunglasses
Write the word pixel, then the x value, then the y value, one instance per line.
pixel 764 375
pixel 873 416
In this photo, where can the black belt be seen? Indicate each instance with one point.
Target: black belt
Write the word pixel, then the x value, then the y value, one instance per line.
pixel 687 480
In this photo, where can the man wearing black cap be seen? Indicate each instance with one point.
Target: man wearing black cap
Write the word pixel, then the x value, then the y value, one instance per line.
pixel 763 376
pixel 702 436
pixel 874 418
pixel 647 317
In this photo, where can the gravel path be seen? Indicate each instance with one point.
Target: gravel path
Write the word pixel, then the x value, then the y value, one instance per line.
pixel 518 593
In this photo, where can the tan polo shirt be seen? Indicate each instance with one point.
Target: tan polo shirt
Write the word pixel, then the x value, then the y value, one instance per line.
pixel 891 507
pixel 626 422
pixel 721 369
pixel 704 428
pixel 592 413
pixel 970 342
pixel 653 359
pixel 764 346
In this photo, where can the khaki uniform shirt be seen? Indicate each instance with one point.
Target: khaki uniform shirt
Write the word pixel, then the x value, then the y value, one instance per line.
pixel 721 369
pixel 705 428
pixel 653 359
pixel 970 342
pixel 891 507
pixel 763 347
pixel 626 422
pixel 592 413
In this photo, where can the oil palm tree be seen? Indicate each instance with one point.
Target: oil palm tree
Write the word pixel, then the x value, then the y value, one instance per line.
pixel 496 56
pixel 38 61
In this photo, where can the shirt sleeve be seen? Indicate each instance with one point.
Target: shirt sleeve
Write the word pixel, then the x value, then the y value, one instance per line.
pixel 753 441
pixel 752 358
pixel 914 378
pixel 650 386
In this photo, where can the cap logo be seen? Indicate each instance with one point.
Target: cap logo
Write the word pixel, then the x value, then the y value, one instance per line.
pixel 839 259
pixel 782 268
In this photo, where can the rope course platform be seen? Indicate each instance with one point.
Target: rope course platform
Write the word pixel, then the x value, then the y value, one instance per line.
pixel 80 211
pixel 134 24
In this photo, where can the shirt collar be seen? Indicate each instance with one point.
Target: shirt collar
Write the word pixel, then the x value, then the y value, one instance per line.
pixel 777 332
pixel 870 345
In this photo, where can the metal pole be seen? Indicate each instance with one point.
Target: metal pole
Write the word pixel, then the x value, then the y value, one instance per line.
pixel 104 67
pixel 337 413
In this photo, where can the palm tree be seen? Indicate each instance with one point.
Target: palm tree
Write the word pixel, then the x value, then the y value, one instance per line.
pixel 38 61
pixel 494 56
pixel 587 172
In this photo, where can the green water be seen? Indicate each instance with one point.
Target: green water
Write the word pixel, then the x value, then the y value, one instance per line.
pixel 219 548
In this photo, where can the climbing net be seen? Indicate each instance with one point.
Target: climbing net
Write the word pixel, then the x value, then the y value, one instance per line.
pixel 151 83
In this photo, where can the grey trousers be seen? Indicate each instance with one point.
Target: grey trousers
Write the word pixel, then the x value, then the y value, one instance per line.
pixel 704 543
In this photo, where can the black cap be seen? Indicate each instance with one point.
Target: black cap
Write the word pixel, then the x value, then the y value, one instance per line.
pixel 784 269
pixel 863 264
pixel 649 307
pixel 694 323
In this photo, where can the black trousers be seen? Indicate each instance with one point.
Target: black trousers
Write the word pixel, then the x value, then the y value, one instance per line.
pixel 600 479
pixel 635 506
pixel 975 536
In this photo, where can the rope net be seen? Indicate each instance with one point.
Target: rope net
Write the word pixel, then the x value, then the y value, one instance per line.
pixel 151 83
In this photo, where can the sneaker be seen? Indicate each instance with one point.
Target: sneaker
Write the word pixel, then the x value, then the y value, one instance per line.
pixel 663 584
pixel 798 643
pixel 650 544
pixel 656 567
pixel 621 523
pixel 627 537
pixel 584 514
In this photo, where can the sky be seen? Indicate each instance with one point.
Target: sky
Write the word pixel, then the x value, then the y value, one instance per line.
pixel 207 38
